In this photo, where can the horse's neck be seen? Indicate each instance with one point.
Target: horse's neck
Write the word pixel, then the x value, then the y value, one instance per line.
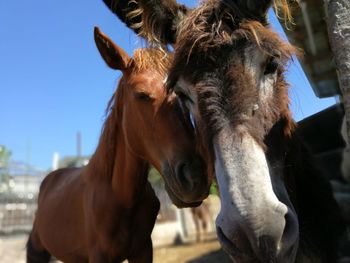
pixel 114 166
pixel 129 176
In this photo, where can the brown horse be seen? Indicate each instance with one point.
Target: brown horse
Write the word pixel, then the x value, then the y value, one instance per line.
pixel 228 71
pixel 105 212
pixel 201 218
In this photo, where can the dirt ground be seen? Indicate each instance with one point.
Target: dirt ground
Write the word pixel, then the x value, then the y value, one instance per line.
pixel 12 250
pixel 205 252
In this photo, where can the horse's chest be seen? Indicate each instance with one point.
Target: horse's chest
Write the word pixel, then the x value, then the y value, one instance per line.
pixel 127 231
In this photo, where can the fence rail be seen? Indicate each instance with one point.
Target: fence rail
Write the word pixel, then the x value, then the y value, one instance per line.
pixel 16 214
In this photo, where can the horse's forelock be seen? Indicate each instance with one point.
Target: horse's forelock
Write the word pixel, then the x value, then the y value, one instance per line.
pixel 207 27
pixel 152 58
pixel 216 23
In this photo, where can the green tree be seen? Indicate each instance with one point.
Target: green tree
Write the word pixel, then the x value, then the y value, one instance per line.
pixel 153 176
pixel 5 155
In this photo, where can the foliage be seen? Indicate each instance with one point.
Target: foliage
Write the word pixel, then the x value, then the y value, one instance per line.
pixel 214 190
pixel 5 155
pixel 153 176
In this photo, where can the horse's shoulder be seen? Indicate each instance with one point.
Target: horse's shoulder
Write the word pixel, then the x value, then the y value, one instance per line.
pixel 58 177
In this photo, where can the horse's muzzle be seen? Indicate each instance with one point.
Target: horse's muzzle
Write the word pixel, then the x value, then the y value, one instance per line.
pixel 188 184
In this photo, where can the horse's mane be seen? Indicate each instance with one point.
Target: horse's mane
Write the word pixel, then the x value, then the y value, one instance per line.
pixel 151 59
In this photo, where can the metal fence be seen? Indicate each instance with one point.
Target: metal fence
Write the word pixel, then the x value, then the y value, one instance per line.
pixel 19 186
pixel 16 214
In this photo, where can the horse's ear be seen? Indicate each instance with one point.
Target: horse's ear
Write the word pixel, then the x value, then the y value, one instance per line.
pixel 154 20
pixel 112 54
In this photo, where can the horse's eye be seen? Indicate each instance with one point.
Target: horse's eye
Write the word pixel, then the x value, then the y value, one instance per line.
pixel 143 96
pixel 271 66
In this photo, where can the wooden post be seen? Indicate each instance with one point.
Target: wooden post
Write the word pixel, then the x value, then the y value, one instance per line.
pixel 338 21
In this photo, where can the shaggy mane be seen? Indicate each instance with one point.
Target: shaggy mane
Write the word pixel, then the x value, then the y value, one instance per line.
pixel 152 58
pixel 215 24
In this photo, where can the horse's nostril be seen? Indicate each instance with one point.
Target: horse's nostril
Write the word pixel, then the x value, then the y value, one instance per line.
pixel 192 178
pixel 291 232
pixel 274 245
pixel 182 174
pixel 186 177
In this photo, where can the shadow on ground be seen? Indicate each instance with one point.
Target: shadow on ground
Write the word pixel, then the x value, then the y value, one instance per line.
pixel 214 256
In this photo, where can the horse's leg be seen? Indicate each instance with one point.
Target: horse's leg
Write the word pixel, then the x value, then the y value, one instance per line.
pixel 200 229
pixel 197 226
pixel 204 226
pixel 36 253
pixel 145 255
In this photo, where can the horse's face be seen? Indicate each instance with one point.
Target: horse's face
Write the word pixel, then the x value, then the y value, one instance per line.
pixel 232 82
pixel 155 127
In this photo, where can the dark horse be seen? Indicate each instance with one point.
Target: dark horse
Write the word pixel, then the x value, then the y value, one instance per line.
pixel 228 71
pixel 105 212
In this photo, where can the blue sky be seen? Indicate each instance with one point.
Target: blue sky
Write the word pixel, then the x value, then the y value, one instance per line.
pixel 53 82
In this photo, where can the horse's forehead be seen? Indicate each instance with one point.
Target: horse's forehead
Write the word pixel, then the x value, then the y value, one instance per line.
pixel 148 82
pixel 147 79
pixel 246 60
